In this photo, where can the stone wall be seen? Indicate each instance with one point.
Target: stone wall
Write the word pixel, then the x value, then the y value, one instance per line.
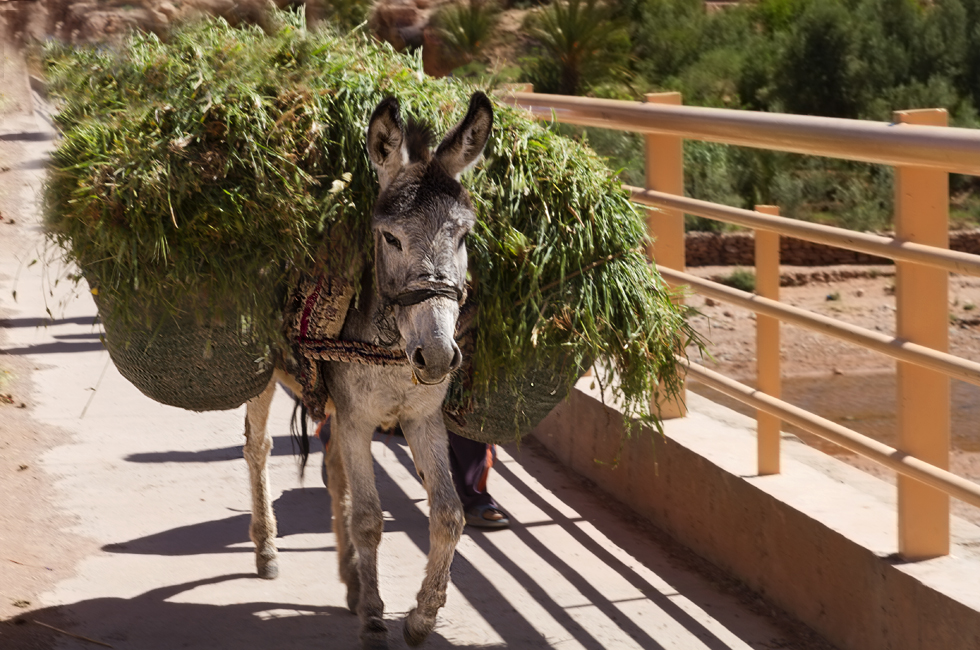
pixel 738 249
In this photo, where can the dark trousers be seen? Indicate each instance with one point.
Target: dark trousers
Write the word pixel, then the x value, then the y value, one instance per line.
pixel 470 462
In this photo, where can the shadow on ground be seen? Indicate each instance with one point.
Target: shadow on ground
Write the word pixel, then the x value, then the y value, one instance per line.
pixel 281 446
pixel 306 510
pixel 190 625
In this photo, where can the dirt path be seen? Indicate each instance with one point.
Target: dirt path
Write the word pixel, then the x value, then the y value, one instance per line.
pixel 36 549
pixel 841 381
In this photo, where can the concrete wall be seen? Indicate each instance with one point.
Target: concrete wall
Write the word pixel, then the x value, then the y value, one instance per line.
pixel 819 540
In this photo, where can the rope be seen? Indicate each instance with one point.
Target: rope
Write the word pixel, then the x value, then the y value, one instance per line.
pixel 352 352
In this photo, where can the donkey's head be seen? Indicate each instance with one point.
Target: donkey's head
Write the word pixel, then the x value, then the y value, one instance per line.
pixel 420 224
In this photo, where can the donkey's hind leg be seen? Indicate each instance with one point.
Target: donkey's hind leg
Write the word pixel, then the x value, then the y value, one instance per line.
pixel 336 479
pixel 258 446
pixel 430 449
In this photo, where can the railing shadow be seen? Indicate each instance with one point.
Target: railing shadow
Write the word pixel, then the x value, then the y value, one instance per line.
pixel 306 511
pixel 298 511
pixel 58 347
pixel 559 612
pixel 7 323
pixel 27 136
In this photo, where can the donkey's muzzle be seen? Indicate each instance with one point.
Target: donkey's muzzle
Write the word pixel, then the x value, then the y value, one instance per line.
pixel 432 363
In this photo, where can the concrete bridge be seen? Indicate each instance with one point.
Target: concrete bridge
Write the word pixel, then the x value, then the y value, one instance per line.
pixel 124 523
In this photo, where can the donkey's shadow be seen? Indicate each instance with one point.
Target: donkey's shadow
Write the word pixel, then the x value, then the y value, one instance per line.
pixel 299 511
pixel 157 620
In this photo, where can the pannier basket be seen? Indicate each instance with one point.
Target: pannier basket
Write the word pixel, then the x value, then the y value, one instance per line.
pixel 182 362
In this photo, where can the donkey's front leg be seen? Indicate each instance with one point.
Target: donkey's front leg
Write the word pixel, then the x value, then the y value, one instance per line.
pixel 258 446
pixel 364 524
pixel 430 448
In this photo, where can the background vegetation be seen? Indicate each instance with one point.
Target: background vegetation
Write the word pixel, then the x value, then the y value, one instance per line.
pixel 858 59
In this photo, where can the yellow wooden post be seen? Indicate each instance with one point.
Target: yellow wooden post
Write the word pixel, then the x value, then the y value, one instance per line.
pixel 665 173
pixel 767 343
pixel 921 292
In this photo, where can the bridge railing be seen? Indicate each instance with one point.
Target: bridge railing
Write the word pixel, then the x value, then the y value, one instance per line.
pixel 923 151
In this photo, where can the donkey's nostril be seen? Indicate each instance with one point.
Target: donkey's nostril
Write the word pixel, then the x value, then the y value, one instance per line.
pixel 417 359
pixel 457 359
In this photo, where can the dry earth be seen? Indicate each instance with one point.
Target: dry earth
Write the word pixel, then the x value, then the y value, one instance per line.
pixel 841 381
pixel 36 551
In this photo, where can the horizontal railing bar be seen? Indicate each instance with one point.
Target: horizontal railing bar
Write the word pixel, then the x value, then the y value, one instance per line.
pixel 903 251
pixel 901 462
pixel 955 367
pixel 946 148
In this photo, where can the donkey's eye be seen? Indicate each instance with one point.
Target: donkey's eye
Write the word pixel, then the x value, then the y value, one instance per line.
pixel 392 240
pixel 462 242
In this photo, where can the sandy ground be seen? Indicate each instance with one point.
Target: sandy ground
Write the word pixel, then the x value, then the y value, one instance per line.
pixel 843 382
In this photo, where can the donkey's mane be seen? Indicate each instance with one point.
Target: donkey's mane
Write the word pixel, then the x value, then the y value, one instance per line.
pixel 418 140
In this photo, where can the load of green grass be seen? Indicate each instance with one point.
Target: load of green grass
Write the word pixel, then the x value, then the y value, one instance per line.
pixel 210 169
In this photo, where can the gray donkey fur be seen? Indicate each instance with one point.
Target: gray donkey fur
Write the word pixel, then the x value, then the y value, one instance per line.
pixel 420 223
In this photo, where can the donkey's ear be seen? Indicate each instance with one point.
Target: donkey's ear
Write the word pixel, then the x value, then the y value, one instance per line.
pixel 462 146
pixel 385 138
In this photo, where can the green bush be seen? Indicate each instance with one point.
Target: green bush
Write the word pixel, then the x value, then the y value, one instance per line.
pixel 860 59
pixel 741 279
pixel 465 29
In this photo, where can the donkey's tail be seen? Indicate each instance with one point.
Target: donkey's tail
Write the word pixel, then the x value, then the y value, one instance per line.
pixel 299 433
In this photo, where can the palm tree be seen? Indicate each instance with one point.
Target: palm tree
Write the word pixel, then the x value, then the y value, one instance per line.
pixel 582 39
pixel 466 29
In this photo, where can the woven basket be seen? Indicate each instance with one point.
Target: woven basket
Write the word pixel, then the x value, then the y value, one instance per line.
pixel 182 363
pixel 504 415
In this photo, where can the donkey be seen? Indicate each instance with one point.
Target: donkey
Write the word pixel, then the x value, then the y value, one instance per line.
pixel 420 223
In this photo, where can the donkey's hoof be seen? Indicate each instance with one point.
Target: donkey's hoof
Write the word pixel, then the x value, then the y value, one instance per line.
pixel 374 634
pixel 268 567
pixel 417 627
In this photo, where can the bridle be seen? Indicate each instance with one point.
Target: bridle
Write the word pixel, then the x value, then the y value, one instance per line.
pixel 420 295
pixel 415 296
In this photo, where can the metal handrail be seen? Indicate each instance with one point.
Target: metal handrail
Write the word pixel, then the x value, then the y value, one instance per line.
pixel 895 249
pixel 890 457
pixel 920 355
pixel 943 148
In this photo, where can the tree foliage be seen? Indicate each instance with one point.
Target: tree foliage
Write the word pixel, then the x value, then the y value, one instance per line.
pixel 466 29
pixel 580 45
pixel 858 59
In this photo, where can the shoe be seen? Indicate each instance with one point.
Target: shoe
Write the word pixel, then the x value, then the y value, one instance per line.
pixel 487 516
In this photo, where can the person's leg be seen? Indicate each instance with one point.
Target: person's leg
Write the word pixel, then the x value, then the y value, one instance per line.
pixel 470 462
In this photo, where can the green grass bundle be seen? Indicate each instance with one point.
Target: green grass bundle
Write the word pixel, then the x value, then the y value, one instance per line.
pixel 211 169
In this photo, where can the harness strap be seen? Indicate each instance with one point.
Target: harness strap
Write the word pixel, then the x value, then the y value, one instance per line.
pixel 352 352
pixel 416 296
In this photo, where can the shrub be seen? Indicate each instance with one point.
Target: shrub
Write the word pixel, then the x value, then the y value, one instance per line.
pixel 741 279
pixel 466 29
